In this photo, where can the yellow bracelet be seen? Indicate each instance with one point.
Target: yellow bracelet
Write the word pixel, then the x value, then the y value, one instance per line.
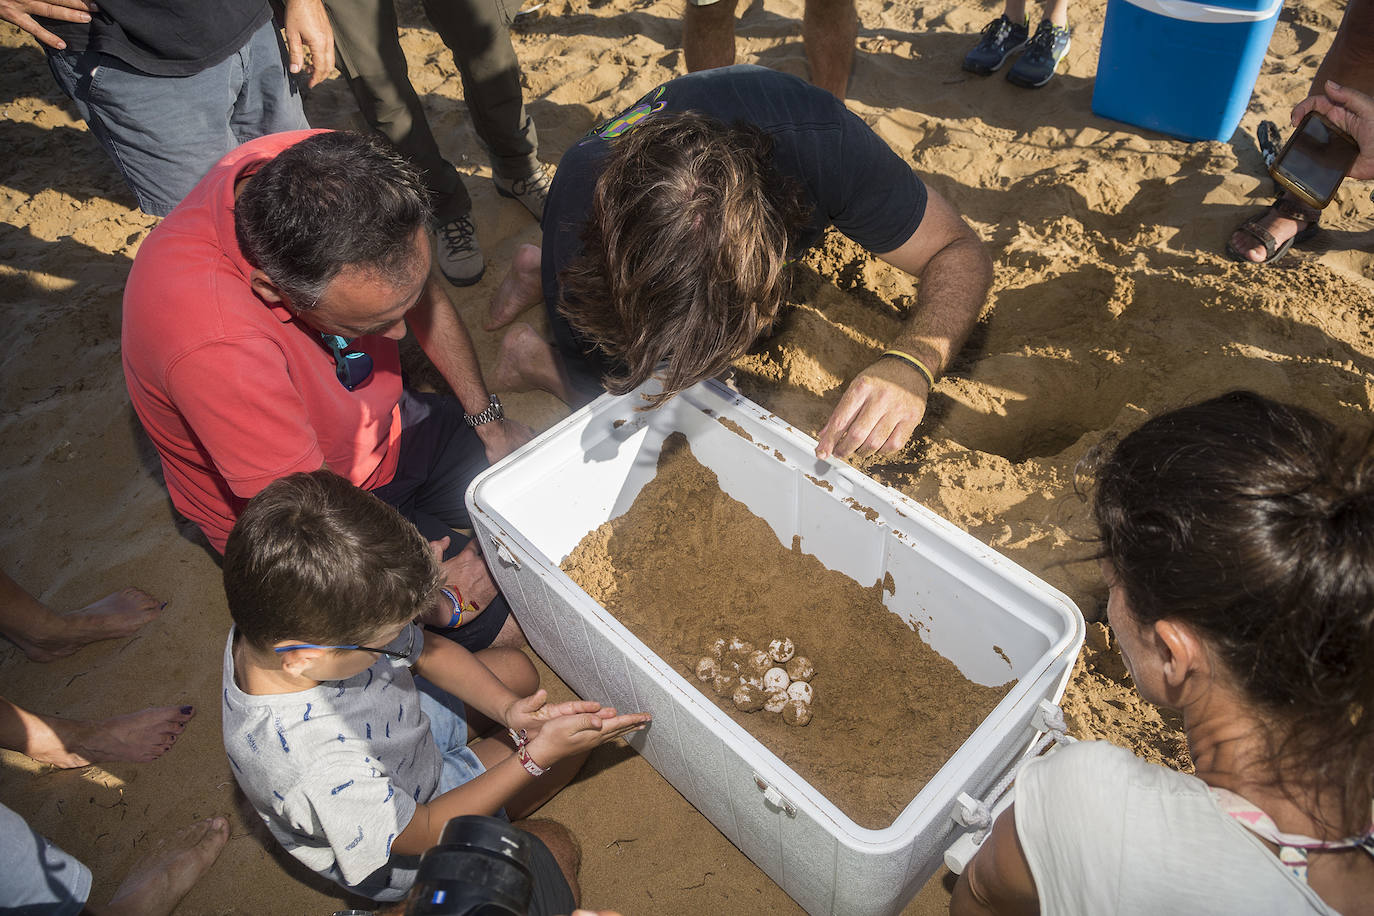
pixel 908 358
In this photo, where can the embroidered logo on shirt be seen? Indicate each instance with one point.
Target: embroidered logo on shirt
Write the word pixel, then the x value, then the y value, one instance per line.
pixel 627 119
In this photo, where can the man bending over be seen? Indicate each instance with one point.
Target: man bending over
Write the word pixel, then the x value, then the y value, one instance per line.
pixel 669 230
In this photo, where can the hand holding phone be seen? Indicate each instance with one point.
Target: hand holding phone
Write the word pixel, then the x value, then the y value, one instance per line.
pixel 1350 110
pixel 1315 160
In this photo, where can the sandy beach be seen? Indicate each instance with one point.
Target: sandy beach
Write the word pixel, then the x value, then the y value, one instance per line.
pixel 1112 302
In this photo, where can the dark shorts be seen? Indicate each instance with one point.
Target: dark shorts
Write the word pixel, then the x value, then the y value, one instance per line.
pixel 551 895
pixel 440 456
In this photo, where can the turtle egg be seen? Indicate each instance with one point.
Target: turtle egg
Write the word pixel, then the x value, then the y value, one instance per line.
pixel 773 678
pixel 796 713
pixel 739 646
pixel 758 662
pixel 716 647
pixel 707 668
pixel 801 692
pixel 781 649
pixel 801 669
pixel 724 684
pixel 748 698
pixel 776 701
pixel 753 680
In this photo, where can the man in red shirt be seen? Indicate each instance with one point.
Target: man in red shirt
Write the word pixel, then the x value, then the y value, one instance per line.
pixel 261 321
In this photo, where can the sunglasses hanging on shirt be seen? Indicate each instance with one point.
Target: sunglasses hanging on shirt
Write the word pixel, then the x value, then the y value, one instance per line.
pixel 352 369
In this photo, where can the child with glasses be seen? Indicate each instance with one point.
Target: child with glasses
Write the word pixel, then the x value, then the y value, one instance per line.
pixel 354 763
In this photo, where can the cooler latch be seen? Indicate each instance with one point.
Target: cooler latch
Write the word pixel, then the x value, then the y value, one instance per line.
pixel 773 797
pixel 504 554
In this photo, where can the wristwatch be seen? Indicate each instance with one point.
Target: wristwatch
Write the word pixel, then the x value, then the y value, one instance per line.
pixel 494 411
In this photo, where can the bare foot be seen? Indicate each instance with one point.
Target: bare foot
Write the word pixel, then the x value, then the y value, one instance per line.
pixel 522 288
pixel 46 636
pixel 139 737
pixel 527 362
pixel 156 885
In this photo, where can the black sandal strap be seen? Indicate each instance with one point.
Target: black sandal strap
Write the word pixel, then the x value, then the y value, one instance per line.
pixel 1252 228
pixel 1291 209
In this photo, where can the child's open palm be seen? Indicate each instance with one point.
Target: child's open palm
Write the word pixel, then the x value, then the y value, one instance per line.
pixel 532 712
pixel 577 733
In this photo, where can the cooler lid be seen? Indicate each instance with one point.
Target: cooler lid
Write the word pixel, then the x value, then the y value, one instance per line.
pixel 1213 11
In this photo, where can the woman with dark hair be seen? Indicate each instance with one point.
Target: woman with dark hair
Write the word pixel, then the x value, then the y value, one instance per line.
pixel 1237 541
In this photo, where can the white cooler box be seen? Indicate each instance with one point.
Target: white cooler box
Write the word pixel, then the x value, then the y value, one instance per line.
pixel 532 509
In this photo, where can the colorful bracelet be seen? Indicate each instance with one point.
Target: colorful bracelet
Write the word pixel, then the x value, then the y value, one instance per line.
pixel 528 763
pixel 911 360
pixel 459 608
pixel 519 737
pixel 457 619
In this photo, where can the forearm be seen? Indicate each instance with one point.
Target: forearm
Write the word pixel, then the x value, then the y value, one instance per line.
pixel 445 340
pixel 455 670
pixel 484 794
pixel 953 289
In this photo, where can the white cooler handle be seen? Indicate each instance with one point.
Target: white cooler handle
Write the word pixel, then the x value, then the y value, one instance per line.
pixel 1205 12
pixel 773 797
pixel 505 554
pixel 980 815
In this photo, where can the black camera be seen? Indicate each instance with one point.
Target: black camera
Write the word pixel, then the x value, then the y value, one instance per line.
pixel 481 867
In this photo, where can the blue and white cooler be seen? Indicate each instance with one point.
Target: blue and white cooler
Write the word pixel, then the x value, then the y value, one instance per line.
pixel 1180 67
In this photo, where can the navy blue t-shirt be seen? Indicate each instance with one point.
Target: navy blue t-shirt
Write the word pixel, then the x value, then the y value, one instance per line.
pixel 851 178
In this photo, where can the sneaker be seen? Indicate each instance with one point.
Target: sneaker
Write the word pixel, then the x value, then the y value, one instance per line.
pixel 460 259
pixel 1001 38
pixel 1034 68
pixel 532 190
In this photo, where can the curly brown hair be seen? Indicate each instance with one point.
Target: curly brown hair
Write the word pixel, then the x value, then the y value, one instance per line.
pixel 685 250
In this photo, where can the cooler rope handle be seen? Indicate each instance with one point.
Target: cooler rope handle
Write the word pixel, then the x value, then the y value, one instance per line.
pixel 979 814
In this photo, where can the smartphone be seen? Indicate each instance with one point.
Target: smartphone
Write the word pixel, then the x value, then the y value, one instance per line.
pixel 1315 160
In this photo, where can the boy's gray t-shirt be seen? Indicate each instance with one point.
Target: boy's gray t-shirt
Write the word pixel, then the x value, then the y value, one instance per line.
pixel 336 771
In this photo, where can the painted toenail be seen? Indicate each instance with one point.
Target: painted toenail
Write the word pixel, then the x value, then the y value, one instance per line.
pixel 187 710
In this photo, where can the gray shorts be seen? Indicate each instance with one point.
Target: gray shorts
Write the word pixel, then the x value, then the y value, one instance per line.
pixel 165 132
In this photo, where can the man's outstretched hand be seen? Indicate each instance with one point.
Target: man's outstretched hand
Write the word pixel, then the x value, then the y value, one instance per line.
pixel 878 412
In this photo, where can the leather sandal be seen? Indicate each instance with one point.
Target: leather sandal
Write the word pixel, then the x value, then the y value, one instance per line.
pixel 1283 207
